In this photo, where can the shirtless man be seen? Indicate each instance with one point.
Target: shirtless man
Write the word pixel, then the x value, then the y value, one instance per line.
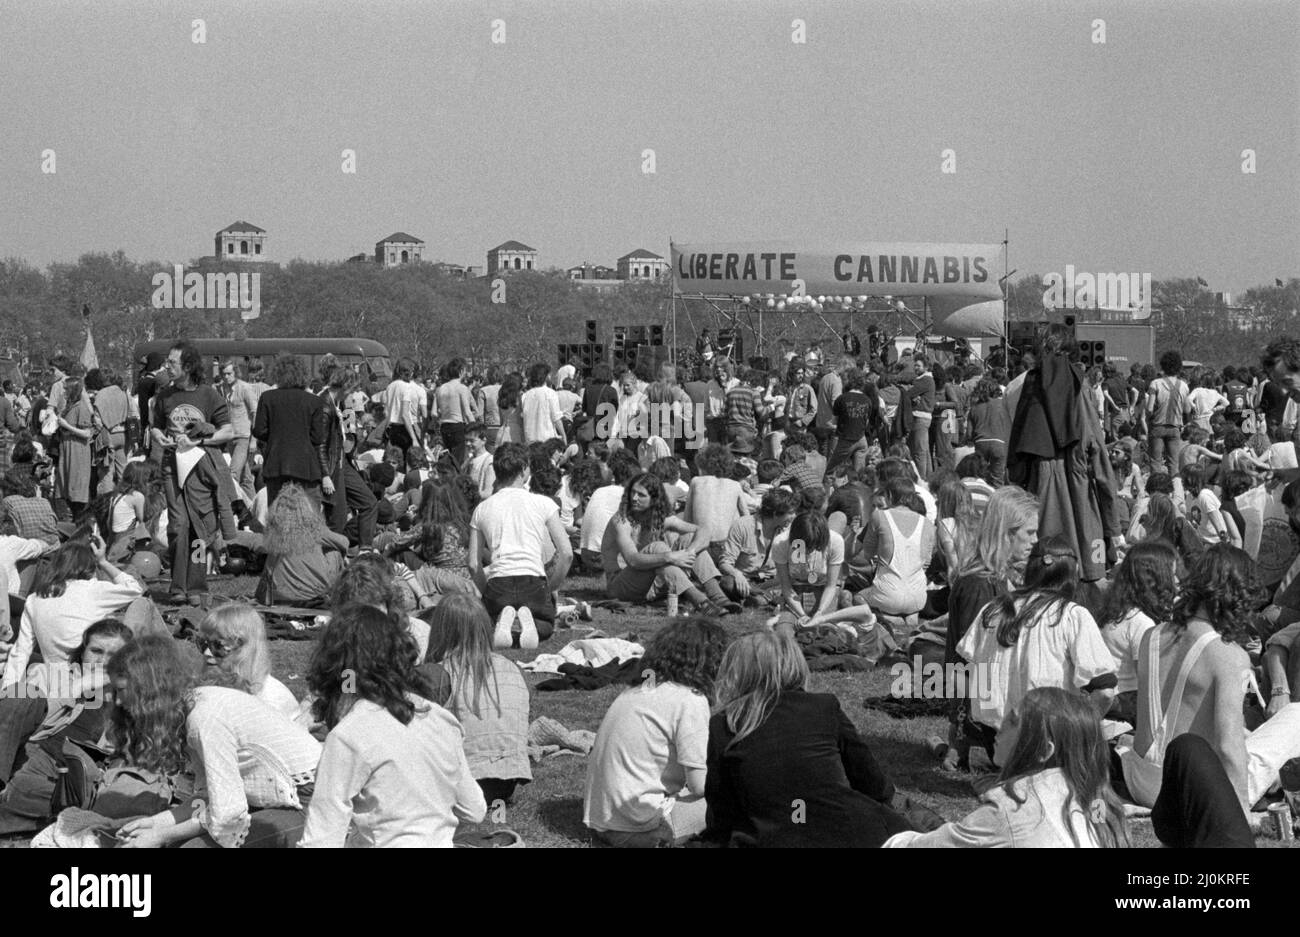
pixel 1200 648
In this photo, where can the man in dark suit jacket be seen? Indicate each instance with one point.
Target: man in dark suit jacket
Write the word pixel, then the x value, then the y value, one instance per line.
pixel 288 432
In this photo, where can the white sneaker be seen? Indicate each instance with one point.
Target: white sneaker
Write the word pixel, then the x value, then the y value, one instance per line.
pixel 503 638
pixel 527 629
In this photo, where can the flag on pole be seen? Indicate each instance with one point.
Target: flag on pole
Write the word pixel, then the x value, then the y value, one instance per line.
pixel 1201 282
pixel 89 359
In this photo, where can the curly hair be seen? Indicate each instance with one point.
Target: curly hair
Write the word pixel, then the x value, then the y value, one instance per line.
pixel 289 371
pixel 364 654
pixel 147 721
pixel 1145 582
pixel 1284 350
pixel 714 459
pixel 370 579
pixel 688 652
pixel 1222 587
pixel 293 525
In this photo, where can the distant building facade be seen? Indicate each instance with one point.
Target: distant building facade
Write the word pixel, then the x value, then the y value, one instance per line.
pixel 241 241
pixel 512 255
pixel 398 249
pixel 641 265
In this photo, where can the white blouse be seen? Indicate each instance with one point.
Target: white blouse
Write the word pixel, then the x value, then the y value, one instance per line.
pixel 245 754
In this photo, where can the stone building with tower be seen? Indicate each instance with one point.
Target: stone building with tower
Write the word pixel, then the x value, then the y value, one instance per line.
pixel 241 241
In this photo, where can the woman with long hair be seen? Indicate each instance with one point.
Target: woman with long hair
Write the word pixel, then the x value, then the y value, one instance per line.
pixel 646 771
pixel 72 474
pixel 66 598
pixel 1140 597
pixel 233 641
pixel 647 552
pixel 508 404
pixel 1037 636
pixel 1161 522
pixel 489 696
pixel 393 770
pixel 123 514
pixel 786 767
pixel 304 558
pixel 808 560
pixel 1054 789
pixel 436 553
pixel 958 529
pixel 253 767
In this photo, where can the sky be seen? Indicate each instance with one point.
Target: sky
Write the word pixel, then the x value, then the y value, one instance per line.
pixel 1122 156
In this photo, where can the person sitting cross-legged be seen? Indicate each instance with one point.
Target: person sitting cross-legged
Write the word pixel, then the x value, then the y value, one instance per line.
pixel 641 564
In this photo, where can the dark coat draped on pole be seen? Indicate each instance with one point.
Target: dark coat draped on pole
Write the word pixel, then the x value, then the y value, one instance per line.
pixel 1057 452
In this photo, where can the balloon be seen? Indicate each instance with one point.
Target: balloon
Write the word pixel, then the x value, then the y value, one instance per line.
pixel 146 564
pixel 780 306
pixel 771 304
pixel 235 566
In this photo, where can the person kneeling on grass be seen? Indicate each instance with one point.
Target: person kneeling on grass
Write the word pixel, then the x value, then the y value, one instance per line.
pixel 786 767
pixel 393 769
pixel 507 553
pixel 1055 788
pixel 646 772
pixel 808 557
pixel 640 564
pixel 304 558
pixel 489 696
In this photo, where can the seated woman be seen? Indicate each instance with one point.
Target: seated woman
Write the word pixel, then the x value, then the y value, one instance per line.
pixel 641 566
pixel 232 639
pixel 38 723
pixel 435 551
pixel 786 767
pixel 1007 536
pixel 900 543
pixel 1037 636
pixel 66 598
pixel 33 517
pixel 808 557
pixel 123 512
pixel 253 767
pixel 1054 791
pixel 646 772
pixel 304 558
pixel 489 696
pixel 1192 678
pixel 393 770
pixel 1141 594
pixel 371 579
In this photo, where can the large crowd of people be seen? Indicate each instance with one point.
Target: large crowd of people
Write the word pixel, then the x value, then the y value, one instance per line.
pixel 1108 561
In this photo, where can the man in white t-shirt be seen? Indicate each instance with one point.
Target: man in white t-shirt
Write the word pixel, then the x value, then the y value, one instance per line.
pixel 540 408
pixel 507 548
pixel 405 405
pixel 646 772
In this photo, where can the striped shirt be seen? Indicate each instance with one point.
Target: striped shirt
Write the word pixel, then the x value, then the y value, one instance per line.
pixel 742 406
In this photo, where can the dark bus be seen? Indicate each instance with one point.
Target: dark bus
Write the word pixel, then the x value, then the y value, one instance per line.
pixel 349 351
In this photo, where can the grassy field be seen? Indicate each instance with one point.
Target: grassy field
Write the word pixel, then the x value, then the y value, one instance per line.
pixel 548 812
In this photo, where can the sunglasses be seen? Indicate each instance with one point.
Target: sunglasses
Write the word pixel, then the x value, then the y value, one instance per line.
pixel 218 647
